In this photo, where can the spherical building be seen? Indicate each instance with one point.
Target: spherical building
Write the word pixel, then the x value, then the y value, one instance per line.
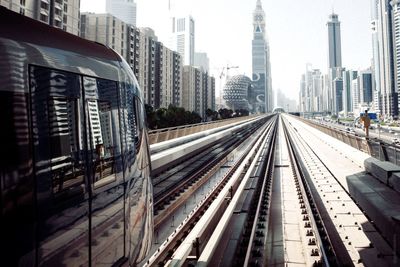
pixel 235 92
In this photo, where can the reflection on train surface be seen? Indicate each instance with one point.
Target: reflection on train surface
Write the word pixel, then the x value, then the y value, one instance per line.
pixel 74 175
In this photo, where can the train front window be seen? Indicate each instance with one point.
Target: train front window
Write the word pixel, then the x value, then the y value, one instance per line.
pixel 103 137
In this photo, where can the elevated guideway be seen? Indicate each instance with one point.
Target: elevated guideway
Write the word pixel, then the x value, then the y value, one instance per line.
pixel 289 194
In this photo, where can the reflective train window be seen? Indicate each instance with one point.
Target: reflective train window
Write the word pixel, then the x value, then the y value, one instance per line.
pixel 57 130
pixel 105 168
pixel 103 133
pixel 59 159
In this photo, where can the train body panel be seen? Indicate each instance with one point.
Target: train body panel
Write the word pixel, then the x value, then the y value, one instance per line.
pixel 75 186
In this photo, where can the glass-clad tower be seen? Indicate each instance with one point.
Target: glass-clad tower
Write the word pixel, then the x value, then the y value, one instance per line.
pixel 335 49
pixel 261 93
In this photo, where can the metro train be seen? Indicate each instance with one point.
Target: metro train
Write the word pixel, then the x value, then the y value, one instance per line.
pixel 75 186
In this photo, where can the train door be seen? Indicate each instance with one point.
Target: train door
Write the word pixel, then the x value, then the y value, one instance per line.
pixel 59 155
pixel 78 169
pixel 105 171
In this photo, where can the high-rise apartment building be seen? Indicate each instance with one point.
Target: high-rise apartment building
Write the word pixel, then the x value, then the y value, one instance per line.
pixel 211 93
pixel 105 29
pixel 125 10
pixel 133 43
pixel 198 90
pixel 157 68
pixel 177 79
pixel 168 77
pixel 147 59
pixel 160 71
pixel 261 97
pixel 191 84
pixel 182 39
pixel 62 14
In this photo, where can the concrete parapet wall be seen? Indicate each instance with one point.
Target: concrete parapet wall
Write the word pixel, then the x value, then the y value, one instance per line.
pixel 376 148
pixel 166 134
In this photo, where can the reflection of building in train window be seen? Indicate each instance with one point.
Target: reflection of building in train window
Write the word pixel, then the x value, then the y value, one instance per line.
pixel 56 120
pixel 102 110
pixel 64 143
pixel 94 123
pixel 106 125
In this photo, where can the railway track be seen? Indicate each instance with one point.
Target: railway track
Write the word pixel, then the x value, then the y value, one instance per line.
pixel 214 202
pixel 173 187
pixel 275 224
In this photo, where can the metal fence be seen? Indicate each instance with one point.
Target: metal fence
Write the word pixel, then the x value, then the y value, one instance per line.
pixel 374 147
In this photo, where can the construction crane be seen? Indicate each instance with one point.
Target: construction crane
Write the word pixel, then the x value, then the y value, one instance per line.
pixel 227 71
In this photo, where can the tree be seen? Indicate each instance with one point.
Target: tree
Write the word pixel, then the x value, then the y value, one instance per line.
pixel 242 112
pixel 215 115
pixel 225 113
pixel 170 117
pixel 151 117
pixel 209 113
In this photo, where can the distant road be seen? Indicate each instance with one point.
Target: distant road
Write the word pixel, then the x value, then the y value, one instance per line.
pixel 384 134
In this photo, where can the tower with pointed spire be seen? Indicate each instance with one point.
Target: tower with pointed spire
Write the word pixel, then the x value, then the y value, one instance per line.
pixel 261 95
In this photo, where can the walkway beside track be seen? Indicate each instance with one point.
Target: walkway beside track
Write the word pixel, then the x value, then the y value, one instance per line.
pixel 328 161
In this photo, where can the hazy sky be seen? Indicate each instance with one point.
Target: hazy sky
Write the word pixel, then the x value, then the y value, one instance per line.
pixel 296 30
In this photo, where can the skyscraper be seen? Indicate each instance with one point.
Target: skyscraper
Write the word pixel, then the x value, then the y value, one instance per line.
pixel 396 42
pixel 182 39
pixel 311 92
pixel 125 10
pixel 376 75
pixel 348 77
pixel 261 95
pixel 384 72
pixel 337 95
pixel 334 64
pixel 335 48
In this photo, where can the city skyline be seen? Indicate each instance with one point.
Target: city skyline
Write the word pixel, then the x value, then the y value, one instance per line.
pixel 296 31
